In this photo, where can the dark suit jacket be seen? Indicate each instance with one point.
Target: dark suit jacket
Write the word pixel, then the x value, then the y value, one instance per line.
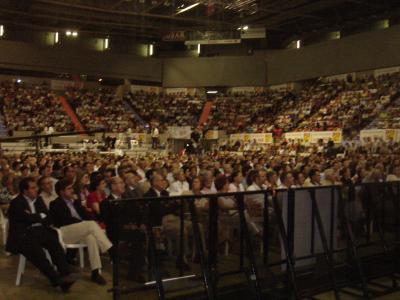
pixel 127 212
pixel 133 194
pixel 20 220
pixel 159 209
pixel 61 214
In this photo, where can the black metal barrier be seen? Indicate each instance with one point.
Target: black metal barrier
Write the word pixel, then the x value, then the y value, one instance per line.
pixel 311 240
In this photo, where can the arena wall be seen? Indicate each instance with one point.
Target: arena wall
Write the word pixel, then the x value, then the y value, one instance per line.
pixel 29 56
pixel 364 51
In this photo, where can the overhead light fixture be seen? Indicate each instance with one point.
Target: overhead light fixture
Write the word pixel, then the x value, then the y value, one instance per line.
pixel 245 27
pixel 187 8
pixel 68 33
pixel 1 30
pixel 239 28
pixel 19 80
pixel 75 34
pixel 100 79
pixel 298 44
pixel 151 50
pixel 212 92
pixel 55 37
pixel 105 43
pixel 198 49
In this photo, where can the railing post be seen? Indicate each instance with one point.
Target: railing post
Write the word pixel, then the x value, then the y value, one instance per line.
pixel 287 242
pixel 266 233
pixel 115 235
pixel 213 240
pixel 253 277
pixel 153 258
pixel 200 251
pixel 181 238
pixel 327 252
pixel 351 244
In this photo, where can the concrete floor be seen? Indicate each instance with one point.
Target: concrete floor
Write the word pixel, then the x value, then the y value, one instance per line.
pixel 35 287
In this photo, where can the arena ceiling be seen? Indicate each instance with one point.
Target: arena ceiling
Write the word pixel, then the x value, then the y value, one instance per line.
pixel 153 18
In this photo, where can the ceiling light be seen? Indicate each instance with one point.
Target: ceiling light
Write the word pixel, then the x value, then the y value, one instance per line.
pixel 68 33
pixel 245 27
pixel 212 92
pixel 187 8
pixel 75 34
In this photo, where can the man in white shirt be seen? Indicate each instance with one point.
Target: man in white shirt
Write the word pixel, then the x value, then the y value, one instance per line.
pixel 314 178
pixel 155 137
pixel 256 201
pixel 180 185
pixel 47 190
pixel 287 181
pixel 208 183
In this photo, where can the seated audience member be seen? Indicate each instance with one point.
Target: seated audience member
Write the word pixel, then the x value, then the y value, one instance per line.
pixel 394 174
pixel 330 177
pixel 255 203
pixel 180 185
pixel 208 183
pixel 47 190
pixel 9 191
pixel 96 196
pixel 236 184
pixel 130 218
pixel 314 178
pixel 76 227
pixel 81 187
pixel 166 213
pixel 30 233
pixel 132 190
pixel 287 181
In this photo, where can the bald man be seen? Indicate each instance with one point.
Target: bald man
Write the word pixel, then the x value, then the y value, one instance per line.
pixel 130 229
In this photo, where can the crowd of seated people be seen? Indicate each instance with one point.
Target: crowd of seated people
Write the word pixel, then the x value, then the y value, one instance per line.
pixel 32 108
pixel 72 192
pixel 100 109
pixel 178 109
pixel 320 106
pixel 388 118
pixel 262 112
pixel 356 106
pixel 248 111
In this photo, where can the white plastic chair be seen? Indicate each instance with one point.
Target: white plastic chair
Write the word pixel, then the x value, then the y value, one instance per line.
pixel 22 266
pixel 4 226
pixel 81 248
pixel 22 258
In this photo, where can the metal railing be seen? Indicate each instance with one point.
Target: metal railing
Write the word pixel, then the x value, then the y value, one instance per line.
pixel 319 226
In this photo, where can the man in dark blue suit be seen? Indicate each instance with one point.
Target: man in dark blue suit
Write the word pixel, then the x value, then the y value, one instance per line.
pixel 30 232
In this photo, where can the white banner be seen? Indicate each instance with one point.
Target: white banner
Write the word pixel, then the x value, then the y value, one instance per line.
pixel 247 89
pixel 315 136
pixel 179 132
pixel 335 136
pixel 147 89
pixel 387 135
pixel 212 135
pixel 59 85
pixel 213 42
pixel 186 91
pixel 253 33
pixel 386 71
pixel 260 138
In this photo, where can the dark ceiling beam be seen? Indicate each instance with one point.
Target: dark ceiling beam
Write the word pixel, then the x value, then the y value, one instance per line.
pixel 130 13
pixel 306 9
pixel 278 8
pixel 116 4
pixel 72 21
